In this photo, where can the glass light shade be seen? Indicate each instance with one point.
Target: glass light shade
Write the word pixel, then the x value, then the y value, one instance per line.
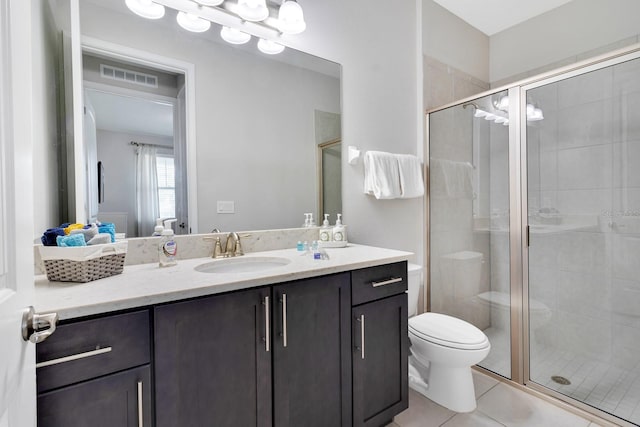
pixel 269 47
pixel 490 117
pixel 146 8
pixel 291 17
pixel 535 115
pixel 480 113
pixel 210 2
pixel 191 22
pixel 253 10
pixel 234 36
pixel 502 103
pixel 500 119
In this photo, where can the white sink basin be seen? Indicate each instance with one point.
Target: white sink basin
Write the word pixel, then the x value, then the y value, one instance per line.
pixel 242 265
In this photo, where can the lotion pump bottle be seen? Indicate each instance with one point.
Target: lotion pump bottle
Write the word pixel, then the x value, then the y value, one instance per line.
pixel 326 231
pixel 167 248
pixel 339 232
pixel 157 231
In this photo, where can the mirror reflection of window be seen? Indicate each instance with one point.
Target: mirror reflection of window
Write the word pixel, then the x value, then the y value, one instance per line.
pixel 166 186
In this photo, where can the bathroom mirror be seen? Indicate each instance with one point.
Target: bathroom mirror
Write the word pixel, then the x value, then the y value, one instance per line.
pixel 253 131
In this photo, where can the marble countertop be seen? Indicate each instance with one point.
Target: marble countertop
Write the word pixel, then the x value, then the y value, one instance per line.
pixel 147 284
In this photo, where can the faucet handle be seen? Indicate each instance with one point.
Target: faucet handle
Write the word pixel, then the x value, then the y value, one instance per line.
pixel 217 248
pixel 238 251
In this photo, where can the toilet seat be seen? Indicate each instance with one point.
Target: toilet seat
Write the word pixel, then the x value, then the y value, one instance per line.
pixel 447 331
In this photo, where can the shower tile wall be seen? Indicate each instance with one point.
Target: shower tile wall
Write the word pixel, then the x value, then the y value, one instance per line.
pixel 584 209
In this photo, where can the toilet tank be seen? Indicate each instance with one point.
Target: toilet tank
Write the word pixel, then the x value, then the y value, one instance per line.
pixel 461 273
pixel 414 278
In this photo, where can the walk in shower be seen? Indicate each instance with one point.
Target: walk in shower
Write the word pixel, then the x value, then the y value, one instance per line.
pixel 534 230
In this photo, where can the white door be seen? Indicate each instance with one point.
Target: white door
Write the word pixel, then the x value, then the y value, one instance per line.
pixel 17 357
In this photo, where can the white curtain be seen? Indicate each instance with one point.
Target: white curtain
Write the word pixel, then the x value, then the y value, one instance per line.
pixel 146 190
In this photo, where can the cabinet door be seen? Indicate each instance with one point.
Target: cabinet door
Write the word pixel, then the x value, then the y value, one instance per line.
pixel 311 360
pixel 122 399
pixel 213 361
pixel 380 360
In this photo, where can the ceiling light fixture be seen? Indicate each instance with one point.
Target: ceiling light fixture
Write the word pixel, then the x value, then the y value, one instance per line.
pixel 209 2
pixel 146 8
pixel 269 47
pixel 253 10
pixel 234 36
pixel 191 22
pixel 291 17
pixel 240 19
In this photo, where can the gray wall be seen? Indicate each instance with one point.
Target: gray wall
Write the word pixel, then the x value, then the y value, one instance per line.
pixel 567 34
pixel 46 137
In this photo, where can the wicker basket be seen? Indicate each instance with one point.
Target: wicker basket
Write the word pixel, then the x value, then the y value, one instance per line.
pixel 83 264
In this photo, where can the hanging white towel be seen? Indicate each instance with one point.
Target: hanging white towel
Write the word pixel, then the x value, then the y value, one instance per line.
pixel 411 184
pixel 451 179
pixel 381 175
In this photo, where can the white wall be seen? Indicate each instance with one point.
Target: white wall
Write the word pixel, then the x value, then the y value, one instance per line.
pixel 450 40
pixel 119 160
pixel 559 36
pixel 46 138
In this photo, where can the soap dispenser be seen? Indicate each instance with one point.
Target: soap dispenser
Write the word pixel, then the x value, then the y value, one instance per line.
pixel 167 248
pixel 326 230
pixel 157 231
pixel 339 232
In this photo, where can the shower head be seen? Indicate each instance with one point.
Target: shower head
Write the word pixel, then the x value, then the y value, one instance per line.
pixel 470 104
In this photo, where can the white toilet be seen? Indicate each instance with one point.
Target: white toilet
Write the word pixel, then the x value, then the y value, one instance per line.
pixel 443 349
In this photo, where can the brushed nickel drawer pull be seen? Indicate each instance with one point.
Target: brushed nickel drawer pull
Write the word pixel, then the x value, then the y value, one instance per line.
pixel 362 330
pixel 284 320
pixel 386 282
pixel 140 409
pixel 74 357
pixel 267 326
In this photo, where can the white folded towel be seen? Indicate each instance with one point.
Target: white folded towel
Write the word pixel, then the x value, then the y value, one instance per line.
pixel 411 183
pixel 381 175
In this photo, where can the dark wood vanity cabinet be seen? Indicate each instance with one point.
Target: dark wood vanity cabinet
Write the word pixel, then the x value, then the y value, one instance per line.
pixel 380 349
pixel 286 355
pixel 213 361
pixel 311 352
pixel 214 357
pixel 96 373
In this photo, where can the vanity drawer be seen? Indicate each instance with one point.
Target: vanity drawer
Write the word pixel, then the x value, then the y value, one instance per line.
pixel 372 283
pixel 90 348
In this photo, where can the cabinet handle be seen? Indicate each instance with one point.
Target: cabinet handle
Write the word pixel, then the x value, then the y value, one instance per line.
pixel 386 282
pixel 284 320
pixel 361 319
pixel 140 411
pixel 267 326
pixel 73 357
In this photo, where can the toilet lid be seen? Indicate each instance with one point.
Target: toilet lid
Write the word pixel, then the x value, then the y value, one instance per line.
pixel 448 331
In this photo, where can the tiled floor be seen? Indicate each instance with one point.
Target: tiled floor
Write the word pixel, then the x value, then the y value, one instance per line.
pixel 595 383
pixel 498 405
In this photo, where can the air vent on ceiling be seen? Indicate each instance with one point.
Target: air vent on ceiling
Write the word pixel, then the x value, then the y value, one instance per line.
pixel 129 76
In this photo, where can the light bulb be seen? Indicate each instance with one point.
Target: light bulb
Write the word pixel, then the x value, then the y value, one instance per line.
pixel 234 36
pixel 269 47
pixel 253 10
pixel 291 18
pixel 191 22
pixel 146 8
pixel 502 103
pixel 210 2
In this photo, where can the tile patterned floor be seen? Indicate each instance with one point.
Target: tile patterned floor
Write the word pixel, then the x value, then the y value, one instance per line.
pixel 498 405
pixel 595 383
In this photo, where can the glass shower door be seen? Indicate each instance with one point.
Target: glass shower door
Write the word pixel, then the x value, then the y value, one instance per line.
pixel 583 179
pixel 469 220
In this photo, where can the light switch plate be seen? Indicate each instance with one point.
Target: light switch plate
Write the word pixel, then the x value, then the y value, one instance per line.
pixel 226 207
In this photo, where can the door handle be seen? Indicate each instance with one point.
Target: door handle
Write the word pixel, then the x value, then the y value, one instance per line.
pixel 267 326
pixel 284 320
pixel 38 327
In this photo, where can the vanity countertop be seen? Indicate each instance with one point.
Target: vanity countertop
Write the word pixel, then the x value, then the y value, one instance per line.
pixel 147 284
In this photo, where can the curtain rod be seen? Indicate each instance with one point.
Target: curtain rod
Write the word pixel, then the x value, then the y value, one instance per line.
pixel 139 144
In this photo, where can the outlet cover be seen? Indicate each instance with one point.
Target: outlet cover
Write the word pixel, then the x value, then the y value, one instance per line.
pixel 226 207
